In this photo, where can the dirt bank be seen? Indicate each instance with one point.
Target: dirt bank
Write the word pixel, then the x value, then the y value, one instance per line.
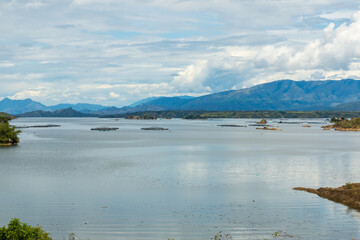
pixel 349 194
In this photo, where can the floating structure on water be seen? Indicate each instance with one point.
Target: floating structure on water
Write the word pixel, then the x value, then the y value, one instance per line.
pixel 231 125
pixel 39 126
pixel 155 128
pixel 259 125
pixel 103 129
pixel 290 122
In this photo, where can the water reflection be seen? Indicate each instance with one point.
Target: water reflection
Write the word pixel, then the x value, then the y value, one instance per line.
pixel 187 183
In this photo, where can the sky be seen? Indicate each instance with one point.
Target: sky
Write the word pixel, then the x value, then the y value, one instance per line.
pixel 116 52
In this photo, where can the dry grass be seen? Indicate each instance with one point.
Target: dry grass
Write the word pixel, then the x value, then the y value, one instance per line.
pixel 349 194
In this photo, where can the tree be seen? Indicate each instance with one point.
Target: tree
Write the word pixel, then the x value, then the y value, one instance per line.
pixel 21 231
pixel 8 134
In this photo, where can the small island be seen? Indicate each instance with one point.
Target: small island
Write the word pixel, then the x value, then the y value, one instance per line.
pixel 8 134
pixel 343 124
pixel 347 194
pixel 263 121
pixel 142 117
pixel 267 128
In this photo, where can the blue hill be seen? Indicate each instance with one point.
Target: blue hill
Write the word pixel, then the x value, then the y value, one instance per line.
pixel 278 95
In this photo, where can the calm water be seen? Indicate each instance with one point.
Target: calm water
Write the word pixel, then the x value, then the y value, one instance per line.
pixel 187 183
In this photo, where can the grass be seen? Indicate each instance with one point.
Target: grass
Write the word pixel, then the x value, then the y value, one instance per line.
pixel 348 194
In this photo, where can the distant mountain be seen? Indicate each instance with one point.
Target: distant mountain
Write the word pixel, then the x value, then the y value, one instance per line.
pixel 278 95
pixel 151 99
pixel 143 101
pixel 111 110
pixel 143 105
pixel 81 107
pixel 20 106
pixel 342 95
pixel 28 105
pixel 353 106
pixel 68 112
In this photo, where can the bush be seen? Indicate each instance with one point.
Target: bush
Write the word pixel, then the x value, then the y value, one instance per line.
pixel 21 231
pixel 8 134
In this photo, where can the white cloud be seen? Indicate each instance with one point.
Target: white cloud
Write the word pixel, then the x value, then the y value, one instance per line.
pixel 30 93
pixel 334 56
pixel 192 78
pixel 114 95
pixel 342 14
pixel 35 4
pixel 19 76
pixel 6 64
pixel 91 50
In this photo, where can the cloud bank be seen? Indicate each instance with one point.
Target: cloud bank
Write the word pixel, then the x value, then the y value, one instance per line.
pixel 117 52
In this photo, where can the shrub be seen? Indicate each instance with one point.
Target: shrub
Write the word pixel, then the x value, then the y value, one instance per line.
pixel 349 185
pixel 21 231
pixel 8 134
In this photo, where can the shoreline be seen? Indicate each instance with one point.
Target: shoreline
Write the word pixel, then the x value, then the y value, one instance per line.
pixel 347 194
pixel 7 144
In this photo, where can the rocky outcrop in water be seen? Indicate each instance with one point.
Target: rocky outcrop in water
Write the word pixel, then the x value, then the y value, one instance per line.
pixel 272 129
pixel 263 121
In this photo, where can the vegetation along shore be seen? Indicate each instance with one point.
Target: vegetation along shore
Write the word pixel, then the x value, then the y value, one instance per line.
pixel 233 114
pixel 342 124
pixel 348 194
pixel 8 134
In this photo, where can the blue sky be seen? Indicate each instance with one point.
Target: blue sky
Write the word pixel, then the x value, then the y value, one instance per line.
pixel 115 52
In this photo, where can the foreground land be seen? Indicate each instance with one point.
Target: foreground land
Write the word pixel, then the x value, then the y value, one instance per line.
pixel 8 134
pixel 349 194
pixel 17 230
pixel 234 114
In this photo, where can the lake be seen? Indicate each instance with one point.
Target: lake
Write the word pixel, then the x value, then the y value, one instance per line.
pixel 186 183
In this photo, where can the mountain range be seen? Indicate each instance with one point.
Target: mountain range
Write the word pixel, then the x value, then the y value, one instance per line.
pixel 67 112
pixel 27 105
pixel 278 95
pixel 284 95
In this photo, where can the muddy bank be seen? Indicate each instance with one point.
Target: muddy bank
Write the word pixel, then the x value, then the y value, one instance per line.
pixel 349 194
pixel 352 129
pixel 7 144
pixel 347 129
